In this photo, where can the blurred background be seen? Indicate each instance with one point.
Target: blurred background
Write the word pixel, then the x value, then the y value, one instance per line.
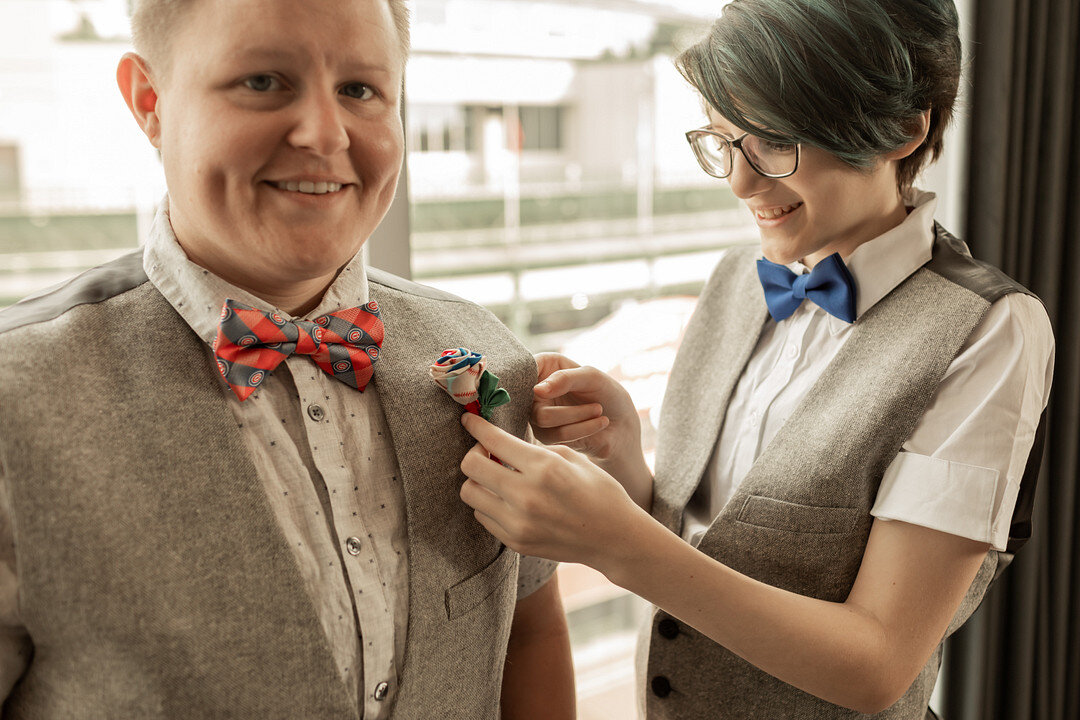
pixel 547 177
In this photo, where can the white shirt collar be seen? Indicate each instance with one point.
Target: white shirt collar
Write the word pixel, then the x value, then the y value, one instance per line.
pixel 198 294
pixel 880 264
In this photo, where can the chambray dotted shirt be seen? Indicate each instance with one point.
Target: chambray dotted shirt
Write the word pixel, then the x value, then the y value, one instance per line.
pixel 324 454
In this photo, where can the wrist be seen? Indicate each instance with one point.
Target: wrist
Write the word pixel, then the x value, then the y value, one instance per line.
pixel 633 473
pixel 622 560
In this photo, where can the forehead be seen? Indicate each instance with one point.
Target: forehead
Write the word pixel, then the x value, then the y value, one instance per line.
pixel 335 32
pixel 719 123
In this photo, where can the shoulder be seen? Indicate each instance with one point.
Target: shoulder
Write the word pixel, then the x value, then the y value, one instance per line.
pixel 92 287
pixel 422 302
pixel 382 281
pixel 953 261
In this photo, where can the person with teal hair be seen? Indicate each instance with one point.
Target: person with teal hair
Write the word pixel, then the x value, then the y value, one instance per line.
pixel 849 439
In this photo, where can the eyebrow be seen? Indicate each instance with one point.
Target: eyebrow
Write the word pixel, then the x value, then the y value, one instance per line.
pixel 277 55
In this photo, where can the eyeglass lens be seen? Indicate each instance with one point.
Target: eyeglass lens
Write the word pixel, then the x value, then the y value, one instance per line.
pixel 769 158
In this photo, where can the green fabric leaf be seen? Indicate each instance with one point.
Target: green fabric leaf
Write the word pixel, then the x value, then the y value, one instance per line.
pixel 490 394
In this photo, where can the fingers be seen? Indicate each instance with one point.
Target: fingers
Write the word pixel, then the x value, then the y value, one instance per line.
pixel 481 499
pixel 571 380
pixel 486 472
pixel 497 441
pixel 552 416
pixel 573 432
pixel 547 363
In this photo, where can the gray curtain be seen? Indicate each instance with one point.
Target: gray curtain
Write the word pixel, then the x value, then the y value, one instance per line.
pixel 1018 657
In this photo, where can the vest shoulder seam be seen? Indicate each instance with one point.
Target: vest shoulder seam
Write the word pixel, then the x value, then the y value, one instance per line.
pixel 953 262
pixel 93 286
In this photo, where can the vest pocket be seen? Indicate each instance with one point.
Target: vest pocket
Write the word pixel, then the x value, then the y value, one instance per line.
pixel 776 514
pixel 473 590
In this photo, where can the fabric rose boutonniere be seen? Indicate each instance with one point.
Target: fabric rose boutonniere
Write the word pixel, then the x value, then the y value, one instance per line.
pixel 461 374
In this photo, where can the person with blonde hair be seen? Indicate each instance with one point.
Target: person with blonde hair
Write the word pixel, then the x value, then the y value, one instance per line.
pixel 219 495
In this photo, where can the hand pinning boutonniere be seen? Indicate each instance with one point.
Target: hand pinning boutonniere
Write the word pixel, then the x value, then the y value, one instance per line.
pixel 461 374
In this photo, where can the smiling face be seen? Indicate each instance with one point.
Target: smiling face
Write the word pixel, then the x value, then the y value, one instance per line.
pixel 280 133
pixel 827 206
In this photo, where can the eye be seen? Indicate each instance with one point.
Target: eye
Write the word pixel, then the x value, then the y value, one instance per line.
pixel 779 147
pixel 358 91
pixel 262 83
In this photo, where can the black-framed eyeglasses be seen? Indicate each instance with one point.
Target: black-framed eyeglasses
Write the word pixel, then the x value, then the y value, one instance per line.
pixel 715 153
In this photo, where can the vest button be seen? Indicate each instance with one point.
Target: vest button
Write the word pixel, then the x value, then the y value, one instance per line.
pixel 661 686
pixel 381 691
pixel 315 412
pixel 668 629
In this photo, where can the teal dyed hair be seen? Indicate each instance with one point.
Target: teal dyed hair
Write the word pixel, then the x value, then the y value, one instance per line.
pixel 851 77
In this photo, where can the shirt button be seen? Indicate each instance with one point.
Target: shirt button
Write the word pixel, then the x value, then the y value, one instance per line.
pixel 353 545
pixel 315 412
pixel 792 351
pixel 754 417
pixel 381 691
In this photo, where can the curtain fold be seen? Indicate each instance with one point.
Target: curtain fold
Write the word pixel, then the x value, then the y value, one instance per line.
pixel 1018 657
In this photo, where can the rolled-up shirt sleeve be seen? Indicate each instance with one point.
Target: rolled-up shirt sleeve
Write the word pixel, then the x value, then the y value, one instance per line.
pixel 960 470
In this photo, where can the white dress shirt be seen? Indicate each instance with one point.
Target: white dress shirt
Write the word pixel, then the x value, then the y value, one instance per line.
pixel 959 471
pixel 330 474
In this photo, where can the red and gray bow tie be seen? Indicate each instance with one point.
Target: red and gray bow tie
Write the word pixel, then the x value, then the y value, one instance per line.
pixel 250 343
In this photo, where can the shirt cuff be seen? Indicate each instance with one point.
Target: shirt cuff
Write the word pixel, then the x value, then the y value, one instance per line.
pixel 959 499
pixel 533 574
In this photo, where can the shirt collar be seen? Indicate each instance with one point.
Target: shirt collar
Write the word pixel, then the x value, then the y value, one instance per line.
pixel 198 294
pixel 880 264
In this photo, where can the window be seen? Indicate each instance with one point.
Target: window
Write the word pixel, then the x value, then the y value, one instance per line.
pixel 541 127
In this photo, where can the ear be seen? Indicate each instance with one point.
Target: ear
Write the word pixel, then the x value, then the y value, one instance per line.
pixel 920 129
pixel 137 87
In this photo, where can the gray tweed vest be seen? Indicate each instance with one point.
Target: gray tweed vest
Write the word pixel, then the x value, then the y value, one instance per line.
pixel 154 579
pixel 801 517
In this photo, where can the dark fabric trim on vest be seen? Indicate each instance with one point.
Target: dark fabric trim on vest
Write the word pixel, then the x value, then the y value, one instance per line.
pixel 93 286
pixel 953 262
pixel 1020 526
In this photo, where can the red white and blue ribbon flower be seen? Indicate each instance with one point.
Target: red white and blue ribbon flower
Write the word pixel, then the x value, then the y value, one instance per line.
pixel 461 374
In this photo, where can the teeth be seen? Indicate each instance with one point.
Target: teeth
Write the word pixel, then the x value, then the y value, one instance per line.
pixel 776 212
pixel 311 188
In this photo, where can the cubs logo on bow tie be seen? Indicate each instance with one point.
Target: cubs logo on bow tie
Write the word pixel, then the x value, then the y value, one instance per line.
pixel 250 343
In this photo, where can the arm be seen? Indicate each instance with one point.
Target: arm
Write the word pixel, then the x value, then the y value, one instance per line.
pixel 862 653
pixel 538 680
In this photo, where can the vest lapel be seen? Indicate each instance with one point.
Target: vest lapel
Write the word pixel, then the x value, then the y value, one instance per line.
pixel 722 333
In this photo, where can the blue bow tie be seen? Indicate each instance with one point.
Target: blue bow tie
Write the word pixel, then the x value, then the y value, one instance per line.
pixel 829 285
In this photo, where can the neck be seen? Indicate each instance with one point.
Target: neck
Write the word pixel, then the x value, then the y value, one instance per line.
pixel 893 213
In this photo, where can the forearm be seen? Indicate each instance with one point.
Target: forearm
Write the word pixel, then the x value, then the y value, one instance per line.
pixel 834 651
pixel 538 679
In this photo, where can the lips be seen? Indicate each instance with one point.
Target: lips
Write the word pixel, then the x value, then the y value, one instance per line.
pixel 773 213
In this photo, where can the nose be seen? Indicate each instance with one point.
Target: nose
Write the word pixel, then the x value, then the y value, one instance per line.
pixel 319 125
pixel 744 181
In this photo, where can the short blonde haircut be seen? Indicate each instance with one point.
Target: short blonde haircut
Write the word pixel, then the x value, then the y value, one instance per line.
pixel 152 23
